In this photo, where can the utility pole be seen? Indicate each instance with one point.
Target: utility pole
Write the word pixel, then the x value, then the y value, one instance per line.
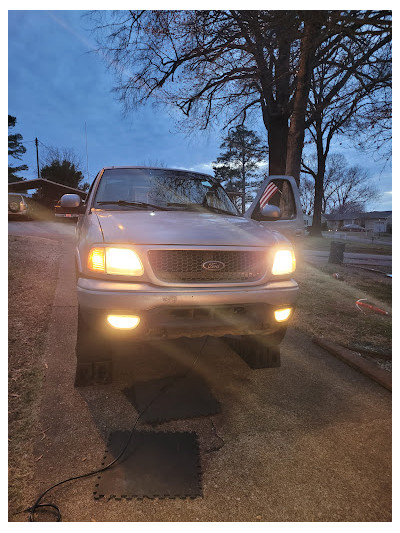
pixel 37 156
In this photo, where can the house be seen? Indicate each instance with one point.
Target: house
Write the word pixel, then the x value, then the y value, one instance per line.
pixel 375 221
pixel 308 220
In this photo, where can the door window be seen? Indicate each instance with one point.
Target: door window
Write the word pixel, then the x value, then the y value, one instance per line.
pixel 278 192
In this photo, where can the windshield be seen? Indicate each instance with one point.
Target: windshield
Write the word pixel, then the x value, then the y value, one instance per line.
pixel 148 188
pixel 15 198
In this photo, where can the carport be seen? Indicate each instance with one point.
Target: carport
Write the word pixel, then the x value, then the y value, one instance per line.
pixel 48 192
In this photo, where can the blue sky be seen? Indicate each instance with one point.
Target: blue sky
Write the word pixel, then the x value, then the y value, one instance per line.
pixel 57 83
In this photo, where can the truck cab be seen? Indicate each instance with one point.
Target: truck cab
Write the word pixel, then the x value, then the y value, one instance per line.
pixel 164 253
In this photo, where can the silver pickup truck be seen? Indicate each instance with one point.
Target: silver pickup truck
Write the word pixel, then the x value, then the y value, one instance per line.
pixel 164 253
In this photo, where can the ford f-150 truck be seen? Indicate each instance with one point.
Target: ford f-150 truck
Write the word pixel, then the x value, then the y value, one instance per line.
pixel 164 253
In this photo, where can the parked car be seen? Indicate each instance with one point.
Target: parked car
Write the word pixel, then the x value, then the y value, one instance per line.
pixel 351 227
pixel 164 253
pixel 61 212
pixel 17 205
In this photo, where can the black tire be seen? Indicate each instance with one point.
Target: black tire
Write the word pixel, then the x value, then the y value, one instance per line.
pixel 259 351
pixel 93 356
pixel 14 207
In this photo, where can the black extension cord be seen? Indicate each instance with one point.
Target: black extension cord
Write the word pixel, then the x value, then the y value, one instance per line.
pixel 51 507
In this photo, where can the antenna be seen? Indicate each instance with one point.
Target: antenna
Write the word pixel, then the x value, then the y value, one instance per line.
pixel 87 157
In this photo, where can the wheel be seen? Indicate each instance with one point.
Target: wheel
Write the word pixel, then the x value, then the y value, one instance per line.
pixel 13 207
pixel 259 351
pixel 93 355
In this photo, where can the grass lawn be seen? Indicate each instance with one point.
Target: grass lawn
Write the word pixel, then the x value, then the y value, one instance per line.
pixel 327 306
pixel 324 243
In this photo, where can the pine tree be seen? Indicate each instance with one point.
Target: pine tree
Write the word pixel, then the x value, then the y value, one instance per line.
pixel 63 171
pixel 15 149
pixel 237 166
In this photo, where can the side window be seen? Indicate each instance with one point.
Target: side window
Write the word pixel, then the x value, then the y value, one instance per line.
pixel 278 192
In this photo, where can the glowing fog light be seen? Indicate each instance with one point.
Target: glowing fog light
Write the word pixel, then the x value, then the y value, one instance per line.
pixel 283 314
pixel 284 262
pixel 123 321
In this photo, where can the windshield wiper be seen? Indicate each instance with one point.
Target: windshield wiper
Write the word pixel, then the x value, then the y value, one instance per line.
pixel 219 210
pixel 132 204
pixel 200 207
pixel 187 204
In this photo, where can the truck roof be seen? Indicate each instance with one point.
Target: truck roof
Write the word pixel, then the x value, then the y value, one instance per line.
pixel 161 168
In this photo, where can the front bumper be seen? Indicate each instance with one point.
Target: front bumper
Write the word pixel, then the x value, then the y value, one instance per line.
pixel 171 312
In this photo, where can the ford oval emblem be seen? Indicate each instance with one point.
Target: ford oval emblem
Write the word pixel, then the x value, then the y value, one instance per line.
pixel 214 266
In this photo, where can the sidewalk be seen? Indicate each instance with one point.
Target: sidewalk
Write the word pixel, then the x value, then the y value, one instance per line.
pixel 343 236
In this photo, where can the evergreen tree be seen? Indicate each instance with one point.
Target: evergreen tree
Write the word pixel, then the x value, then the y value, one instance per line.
pixel 15 149
pixel 237 166
pixel 62 171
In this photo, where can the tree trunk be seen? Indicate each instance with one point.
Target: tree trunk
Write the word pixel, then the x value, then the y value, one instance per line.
pixel 319 183
pixel 318 195
pixel 243 184
pixel 277 144
pixel 297 119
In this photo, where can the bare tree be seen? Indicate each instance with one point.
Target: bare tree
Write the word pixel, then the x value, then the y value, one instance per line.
pixel 154 162
pixel 307 194
pixel 63 165
pixel 213 64
pixel 328 118
pixel 371 128
pixel 346 188
pixel 61 154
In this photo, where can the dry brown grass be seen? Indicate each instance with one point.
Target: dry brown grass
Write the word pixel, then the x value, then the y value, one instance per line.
pixel 33 268
pixel 327 308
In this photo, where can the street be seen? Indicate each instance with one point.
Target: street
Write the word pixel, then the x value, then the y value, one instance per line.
pixel 309 441
pixel 321 257
pixel 363 238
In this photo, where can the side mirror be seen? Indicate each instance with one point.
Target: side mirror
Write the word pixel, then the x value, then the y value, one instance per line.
pixel 70 201
pixel 270 212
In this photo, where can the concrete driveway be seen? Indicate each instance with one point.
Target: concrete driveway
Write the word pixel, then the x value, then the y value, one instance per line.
pixel 310 441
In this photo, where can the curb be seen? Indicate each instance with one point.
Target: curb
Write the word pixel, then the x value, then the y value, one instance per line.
pixel 357 362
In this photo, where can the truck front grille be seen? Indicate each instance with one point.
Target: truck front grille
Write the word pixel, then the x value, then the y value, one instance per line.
pixel 185 266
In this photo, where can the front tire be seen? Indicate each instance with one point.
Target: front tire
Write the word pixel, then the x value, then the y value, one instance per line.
pixel 93 355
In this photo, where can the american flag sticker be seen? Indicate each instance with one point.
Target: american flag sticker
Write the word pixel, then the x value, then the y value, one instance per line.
pixel 269 192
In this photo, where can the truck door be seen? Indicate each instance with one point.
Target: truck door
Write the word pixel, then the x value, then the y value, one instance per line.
pixel 282 192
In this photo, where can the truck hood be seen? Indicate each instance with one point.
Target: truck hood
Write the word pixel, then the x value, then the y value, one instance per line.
pixel 183 228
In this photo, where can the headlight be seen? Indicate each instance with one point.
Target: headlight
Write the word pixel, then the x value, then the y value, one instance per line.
pixel 284 263
pixel 120 261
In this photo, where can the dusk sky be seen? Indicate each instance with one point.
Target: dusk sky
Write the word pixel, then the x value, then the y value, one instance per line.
pixel 57 83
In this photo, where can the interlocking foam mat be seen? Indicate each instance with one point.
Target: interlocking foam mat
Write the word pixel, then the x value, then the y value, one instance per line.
pixel 172 398
pixel 155 465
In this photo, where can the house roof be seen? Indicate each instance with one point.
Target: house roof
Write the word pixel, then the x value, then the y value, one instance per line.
pixel 25 185
pixel 354 215
pixel 342 216
pixel 377 214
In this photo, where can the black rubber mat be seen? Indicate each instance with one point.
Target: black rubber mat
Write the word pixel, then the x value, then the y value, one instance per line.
pixel 155 465
pixel 172 398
